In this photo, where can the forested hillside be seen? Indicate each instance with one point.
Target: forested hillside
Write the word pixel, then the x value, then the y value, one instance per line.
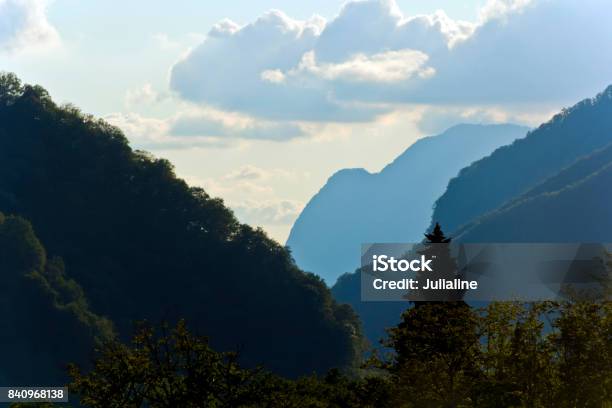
pixel 145 245
pixel 572 206
pixel 46 322
pixel 552 186
pixel 512 170
pixel 375 317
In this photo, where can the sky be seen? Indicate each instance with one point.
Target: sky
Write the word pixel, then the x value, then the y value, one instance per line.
pixel 261 101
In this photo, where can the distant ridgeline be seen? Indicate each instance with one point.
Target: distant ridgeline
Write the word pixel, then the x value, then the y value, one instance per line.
pixel 548 187
pixel 554 185
pixel 395 205
pixel 139 243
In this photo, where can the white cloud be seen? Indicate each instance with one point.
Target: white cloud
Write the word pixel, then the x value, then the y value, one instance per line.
pixel 247 190
pixel 436 119
pixel 145 95
pixel 139 129
pixel 224 28
pixel 197 127
pixel 541 51
pixel 153 133
pixel 275 76
pixel 375 26
pixel 249 172
pixel 371 57
pixel 221 124
pixel 389 66
pixel 236 190
pixel 24 26
pixel 226 71
pixel 279 212
pixel 502 8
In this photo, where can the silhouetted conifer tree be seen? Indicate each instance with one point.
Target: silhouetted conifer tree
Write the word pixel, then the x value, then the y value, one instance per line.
pixel 437 247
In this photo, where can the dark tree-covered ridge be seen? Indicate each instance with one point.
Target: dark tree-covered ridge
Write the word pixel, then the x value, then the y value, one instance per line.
pixel 145 245
pixel 46 321
pixel 512 170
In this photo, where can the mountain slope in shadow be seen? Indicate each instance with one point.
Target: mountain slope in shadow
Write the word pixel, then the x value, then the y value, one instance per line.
pixel 144 245
pixel 566 199
pixel 46 321
pixel 512 170
pixel 572 206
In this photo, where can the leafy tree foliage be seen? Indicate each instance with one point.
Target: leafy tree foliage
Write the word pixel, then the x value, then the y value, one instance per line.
pixel 46 321
pixel 375 317
pixel 174 368
pixel 583 346
pixel 145 245
pixel 508 355
pixel 436 353
pixel 545 354
pixel 518 364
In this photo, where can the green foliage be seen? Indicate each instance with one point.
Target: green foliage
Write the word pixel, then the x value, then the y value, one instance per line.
pixel 583 347
pixel 46 321
pixel 436 353
pixel 144 245
pixel 174 368
pixel 445 355
pixel 508 354
pixel 10 88
pixel 518 358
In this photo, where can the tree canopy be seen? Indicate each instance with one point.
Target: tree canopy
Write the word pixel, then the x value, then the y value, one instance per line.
pixel 144 245
pixel 46 321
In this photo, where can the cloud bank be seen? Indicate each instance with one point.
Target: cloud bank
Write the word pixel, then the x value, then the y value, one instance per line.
pixel 248 192
pixel 371 57
pixel 199 127
pixel 24 26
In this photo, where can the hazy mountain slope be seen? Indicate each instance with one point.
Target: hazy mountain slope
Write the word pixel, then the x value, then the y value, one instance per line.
pixel 512 170
pixel 145 245
pixel 573 206
pixel 569 205
pixel 394 205
pixel 577 171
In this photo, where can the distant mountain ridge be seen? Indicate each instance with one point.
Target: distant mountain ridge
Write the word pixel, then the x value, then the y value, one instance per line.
pixel 394 205
pixel 512 170
pixel 566 199
pixel 572 206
